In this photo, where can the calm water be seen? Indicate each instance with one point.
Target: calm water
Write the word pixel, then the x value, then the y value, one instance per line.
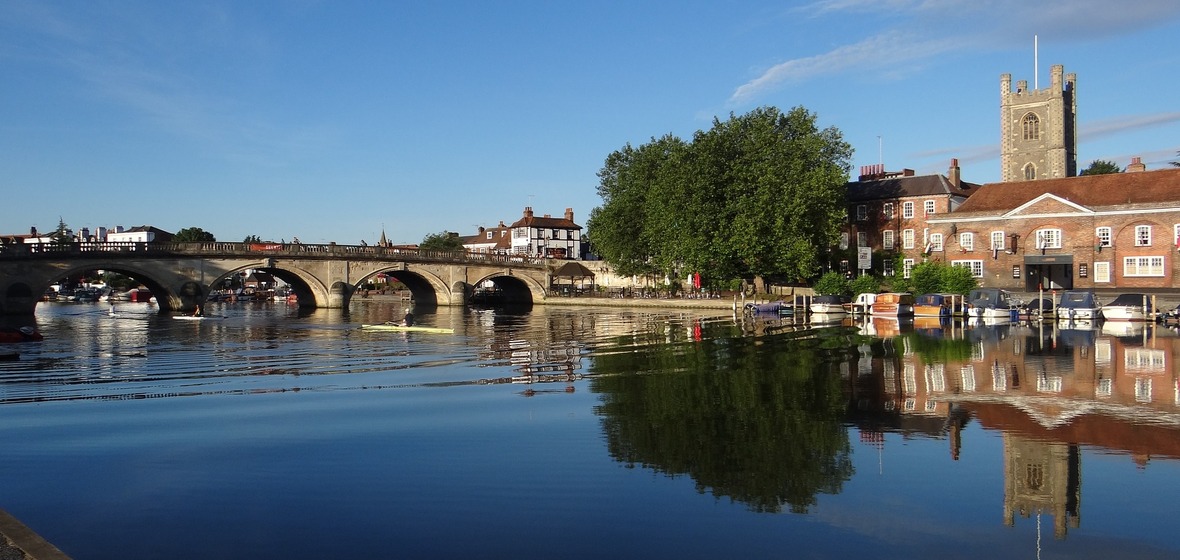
pixel 587 433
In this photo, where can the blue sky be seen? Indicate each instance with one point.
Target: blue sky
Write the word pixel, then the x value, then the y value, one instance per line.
pixel 332 120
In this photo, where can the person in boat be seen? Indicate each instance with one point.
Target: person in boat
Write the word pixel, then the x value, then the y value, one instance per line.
pixel 408 320
pixel 199 311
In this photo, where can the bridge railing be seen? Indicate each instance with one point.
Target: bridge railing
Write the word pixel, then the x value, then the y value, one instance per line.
pixel 103 249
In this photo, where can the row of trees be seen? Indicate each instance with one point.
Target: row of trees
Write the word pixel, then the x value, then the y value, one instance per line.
pixel 758 195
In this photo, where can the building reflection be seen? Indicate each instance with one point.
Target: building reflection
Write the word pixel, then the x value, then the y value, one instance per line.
pixel 1050 389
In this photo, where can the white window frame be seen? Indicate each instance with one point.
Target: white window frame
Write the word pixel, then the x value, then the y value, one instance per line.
pixel 1103 237
pixel 862 239
pixel 907 209
pixel 936 242
pixel 1102 272
pixel 1048 238
pixel 887 211
pixel 1143 236
pixel 907 268
pixel 1146 266
pixel 928 207
pixel 862 212
pixel 887 239
pixel 976 266
pixel 887 269
pixel 843 240
pixel 907 239
pixel 998 240
pixel 967 241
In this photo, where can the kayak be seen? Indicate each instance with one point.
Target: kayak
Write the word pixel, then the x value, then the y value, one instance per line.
pixel 403 328
pixel 194 318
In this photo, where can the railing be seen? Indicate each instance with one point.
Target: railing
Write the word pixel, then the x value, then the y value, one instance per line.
pixel 100 250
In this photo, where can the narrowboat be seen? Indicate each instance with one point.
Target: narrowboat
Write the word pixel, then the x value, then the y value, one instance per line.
pixel 894 305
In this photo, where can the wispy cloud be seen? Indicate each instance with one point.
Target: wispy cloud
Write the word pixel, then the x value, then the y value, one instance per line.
pixel 1109 127
pixel 965 24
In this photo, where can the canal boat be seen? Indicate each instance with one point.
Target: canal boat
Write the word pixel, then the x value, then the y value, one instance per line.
pixel 893 304
pixel 1079 305
pixel 1128 307
pixel 991 303
pixel 404 328
pixel 829 305
pixel 933 305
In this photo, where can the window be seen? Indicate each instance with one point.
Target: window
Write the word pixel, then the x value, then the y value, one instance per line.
pixel 1101 272
pixel 862 212
pixel 1102 237
pixel 976 267
pixel 887 238
pixel 967 241
pixel 862 239
pixel 1030 172
pixel 1176 235
pixel 1143 236
pixel 1143 389
pixel 907 210
pixel 1032 127
pixel 887 211
pixel 520 233
pixel 844 240
pixel 888 267
pixel 907 266
pixel 1048 239
pixel 489 235
pixel 928 206
pixel 907 239
pixel 998 240
pixel 936 242
pixel 1143 266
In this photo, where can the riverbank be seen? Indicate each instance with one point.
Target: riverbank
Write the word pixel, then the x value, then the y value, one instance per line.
pixel 19 542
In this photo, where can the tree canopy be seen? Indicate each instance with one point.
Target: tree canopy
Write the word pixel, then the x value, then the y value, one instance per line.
pixel 761 194
pixel 441 241
pixel 1102 167
pixel 193 235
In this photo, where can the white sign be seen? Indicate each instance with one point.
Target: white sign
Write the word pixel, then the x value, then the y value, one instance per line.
pixel 864 258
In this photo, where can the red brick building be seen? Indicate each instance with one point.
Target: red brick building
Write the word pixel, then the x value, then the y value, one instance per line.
pixel 1118 230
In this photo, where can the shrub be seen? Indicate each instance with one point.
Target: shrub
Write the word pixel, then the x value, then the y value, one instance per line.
pixel 831 284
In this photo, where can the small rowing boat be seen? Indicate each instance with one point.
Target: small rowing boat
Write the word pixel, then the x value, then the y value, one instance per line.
pixel 403 328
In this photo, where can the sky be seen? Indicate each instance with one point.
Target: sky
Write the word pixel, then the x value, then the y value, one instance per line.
pixel 336 121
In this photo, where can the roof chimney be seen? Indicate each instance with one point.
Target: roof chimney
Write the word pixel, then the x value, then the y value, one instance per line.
pixel 952 174
pixel 528 211
pixel 569 214
pixel 1136 165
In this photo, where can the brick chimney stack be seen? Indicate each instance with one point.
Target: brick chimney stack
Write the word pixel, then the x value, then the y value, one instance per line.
pixel 569 214
pixel 1136 165
pixel 952 174
pixel 528 211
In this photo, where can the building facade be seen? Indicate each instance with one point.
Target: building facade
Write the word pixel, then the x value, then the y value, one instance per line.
pixel 889 214
pixel 1120 230
pixel 546 236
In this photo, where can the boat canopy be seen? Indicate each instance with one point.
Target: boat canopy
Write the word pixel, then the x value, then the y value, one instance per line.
pixel 1129 300
pixel 829 299
pixel 930 299
pixel 1078 299
pixel 990 297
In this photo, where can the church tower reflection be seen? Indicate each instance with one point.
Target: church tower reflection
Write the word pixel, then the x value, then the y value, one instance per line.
pixel 1042 477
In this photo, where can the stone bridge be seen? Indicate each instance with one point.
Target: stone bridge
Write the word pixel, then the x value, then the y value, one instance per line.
pixel 181 275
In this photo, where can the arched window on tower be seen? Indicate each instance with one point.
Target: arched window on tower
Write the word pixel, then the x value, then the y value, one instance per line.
pixel 1032 127
pixel 1030 172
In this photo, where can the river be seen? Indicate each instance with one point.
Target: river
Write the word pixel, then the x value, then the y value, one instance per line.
pixel 562 432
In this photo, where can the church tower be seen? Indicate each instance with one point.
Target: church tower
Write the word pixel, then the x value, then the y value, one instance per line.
pixel 1038 129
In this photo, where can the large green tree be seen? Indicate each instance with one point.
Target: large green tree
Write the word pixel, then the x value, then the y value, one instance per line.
pixel 193 235
pixel 761 194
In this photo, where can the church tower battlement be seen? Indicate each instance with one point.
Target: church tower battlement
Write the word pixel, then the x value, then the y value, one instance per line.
pixel 1038 128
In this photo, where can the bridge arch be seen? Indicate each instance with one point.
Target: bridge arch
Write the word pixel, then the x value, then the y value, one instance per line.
pixel 515 289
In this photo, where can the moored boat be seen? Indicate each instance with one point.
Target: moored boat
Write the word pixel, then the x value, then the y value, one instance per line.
pixel 991 303
pixel 828 305
pixel 1128 307
pixel 1078 305
pixel 893 304
pixel 932 305
pixel 863 304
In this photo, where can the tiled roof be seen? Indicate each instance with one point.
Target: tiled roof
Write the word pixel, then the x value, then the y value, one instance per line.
pixel 546 222
pixel 900 187
pixel 1144 188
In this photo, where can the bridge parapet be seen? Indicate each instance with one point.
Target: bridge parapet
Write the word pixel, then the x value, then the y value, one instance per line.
pixel 103 250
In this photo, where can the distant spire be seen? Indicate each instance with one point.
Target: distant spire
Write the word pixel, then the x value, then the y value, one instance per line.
pixel 383 242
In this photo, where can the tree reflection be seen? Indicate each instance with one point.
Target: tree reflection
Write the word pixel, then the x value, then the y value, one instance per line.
pixel 757 420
